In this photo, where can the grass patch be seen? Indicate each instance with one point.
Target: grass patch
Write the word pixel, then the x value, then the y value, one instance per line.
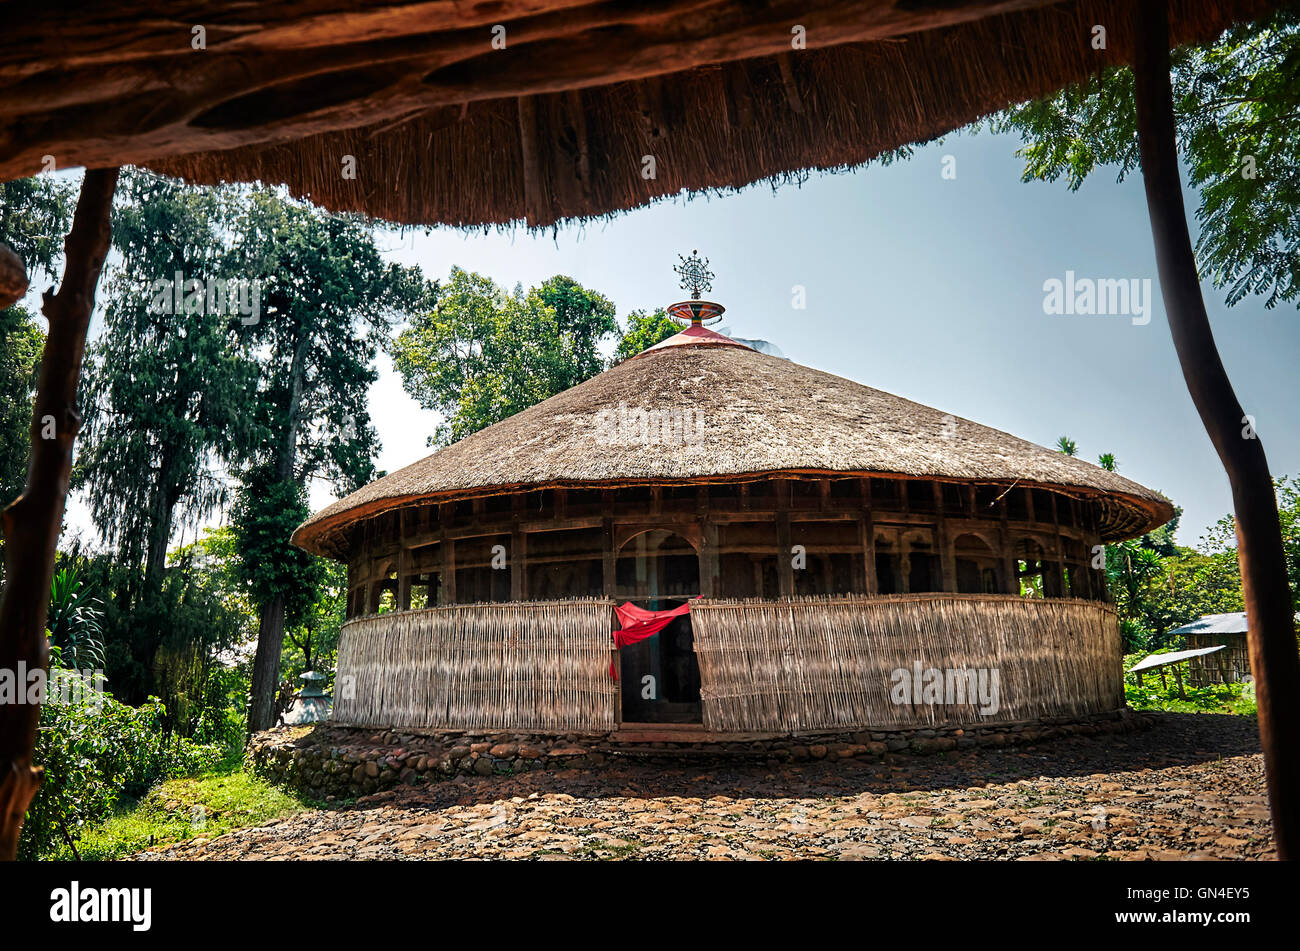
pixel 208 804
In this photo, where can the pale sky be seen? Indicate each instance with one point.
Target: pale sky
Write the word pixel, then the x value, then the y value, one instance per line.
pixel 926 287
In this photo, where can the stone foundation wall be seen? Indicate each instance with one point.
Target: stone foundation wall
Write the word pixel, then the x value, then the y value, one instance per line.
pixel 331 762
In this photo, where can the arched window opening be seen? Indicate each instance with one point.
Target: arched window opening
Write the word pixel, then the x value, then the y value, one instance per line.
pixel 977 565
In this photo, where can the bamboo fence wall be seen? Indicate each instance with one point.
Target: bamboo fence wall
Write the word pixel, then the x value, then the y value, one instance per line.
pixel 820 664
pixel 513 666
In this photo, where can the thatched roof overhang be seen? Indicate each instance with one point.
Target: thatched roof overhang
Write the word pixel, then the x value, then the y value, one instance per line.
pixel 746 415
pixel 446 128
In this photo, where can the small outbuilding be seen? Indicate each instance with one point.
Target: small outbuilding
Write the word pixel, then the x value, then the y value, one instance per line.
pixel 1227 666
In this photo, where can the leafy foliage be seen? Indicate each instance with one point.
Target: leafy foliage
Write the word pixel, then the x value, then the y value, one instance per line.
pixel 1158 585
pixel 210 804
pixel 1236 103
pixel 264 516
pixel 94 753
pixel 481 355
pixel 34 215
pixel 328 300
pixel 1237 698
pixel 644 330
pixel 167 393
pixel 74 621
pixel 21 343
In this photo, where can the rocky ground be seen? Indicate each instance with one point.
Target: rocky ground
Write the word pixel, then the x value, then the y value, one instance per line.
pixel 1189 788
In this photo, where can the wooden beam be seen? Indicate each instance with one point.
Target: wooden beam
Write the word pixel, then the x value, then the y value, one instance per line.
pixel 785 63
pixel 1265 587
pixel 573 102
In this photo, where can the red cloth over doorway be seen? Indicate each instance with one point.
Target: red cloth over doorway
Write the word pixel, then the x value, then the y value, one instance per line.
pixel 637 624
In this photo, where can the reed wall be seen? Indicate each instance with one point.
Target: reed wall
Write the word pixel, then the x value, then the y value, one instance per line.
pixel 817 664
pixel 512 666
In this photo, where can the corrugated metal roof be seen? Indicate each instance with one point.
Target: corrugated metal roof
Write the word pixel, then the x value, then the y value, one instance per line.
pixel 1234 623
pixel 1173 657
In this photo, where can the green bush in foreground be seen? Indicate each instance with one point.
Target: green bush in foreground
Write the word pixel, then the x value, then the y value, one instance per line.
pixel 176 809
pixel 94 751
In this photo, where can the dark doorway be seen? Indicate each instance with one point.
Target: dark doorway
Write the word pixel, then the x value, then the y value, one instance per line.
pixel 660 676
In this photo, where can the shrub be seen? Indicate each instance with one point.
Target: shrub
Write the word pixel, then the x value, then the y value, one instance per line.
pixel 93 753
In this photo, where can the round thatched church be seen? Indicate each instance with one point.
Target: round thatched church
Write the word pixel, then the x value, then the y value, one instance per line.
pixel 848 559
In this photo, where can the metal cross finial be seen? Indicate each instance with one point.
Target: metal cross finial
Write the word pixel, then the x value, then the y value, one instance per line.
pixel 696 276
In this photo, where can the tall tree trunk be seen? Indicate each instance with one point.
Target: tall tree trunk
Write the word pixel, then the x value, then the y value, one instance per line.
pixel 155 561
pixel 1267 594
pixel 33 522
pixel 266 665
pixel 270 624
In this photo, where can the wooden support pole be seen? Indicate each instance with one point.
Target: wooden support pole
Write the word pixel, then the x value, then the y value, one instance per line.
pixel 530 162
pixel 947 557
pixel 867 533
pixel 608 556
pixel 1265 588
pixel 518 565
pixel 32 523
pixel 405 560
pixel 447 548
pixel 405 565
pixel 784 566
pixel 573 100
pixel 709 564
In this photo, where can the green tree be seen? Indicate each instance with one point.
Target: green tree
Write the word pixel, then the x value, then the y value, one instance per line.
pixel 481 355
pixel 644 330
pixel 1236 104
pixel 166 392
pixel 1067 446
pixel 328 299
pixel 34 216
pixel 1108 462
pixel 21 342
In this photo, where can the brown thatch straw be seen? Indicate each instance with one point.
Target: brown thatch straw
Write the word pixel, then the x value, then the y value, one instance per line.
pixel 574 153
pixel 826 664
pixel 759 415
pixel 517 666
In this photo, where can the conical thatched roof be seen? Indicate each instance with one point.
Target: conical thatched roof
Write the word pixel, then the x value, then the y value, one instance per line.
pixel 407 110
pixel 756 414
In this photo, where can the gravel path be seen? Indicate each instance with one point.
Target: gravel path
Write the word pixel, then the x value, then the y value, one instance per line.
pixel 1190 787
